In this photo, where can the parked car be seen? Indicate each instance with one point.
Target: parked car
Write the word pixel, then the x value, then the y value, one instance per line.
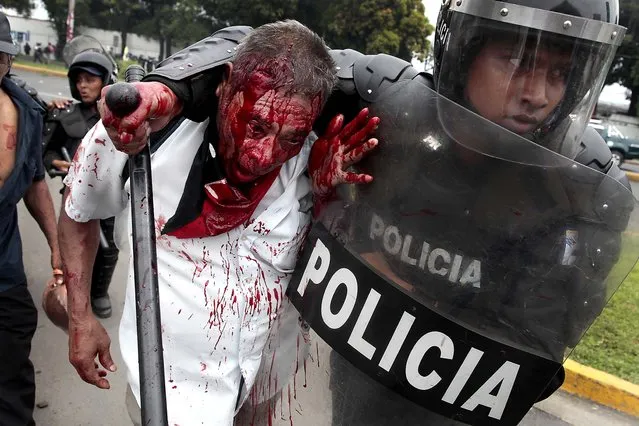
pixel 622 147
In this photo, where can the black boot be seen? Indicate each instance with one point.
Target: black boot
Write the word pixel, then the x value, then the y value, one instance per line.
pixel 103 268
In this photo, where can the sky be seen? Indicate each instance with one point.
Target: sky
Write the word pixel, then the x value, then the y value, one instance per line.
pixel 432 9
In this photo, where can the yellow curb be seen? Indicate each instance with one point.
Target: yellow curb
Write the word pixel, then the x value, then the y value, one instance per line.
pixel 38 69
pixel 602 388
pixel 633 176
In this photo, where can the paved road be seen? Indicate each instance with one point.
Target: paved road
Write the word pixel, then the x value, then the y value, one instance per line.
pixel 67 401
pixel 49 87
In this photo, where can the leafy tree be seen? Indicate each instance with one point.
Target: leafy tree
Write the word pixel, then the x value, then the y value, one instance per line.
pixel 176 23
pixel 396 27
pixel 251 12
pixel 58 11
pixel 23 7
pixel 123 16
pixel 625 68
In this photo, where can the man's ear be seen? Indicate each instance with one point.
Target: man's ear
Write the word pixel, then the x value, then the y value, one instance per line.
pixel 226 78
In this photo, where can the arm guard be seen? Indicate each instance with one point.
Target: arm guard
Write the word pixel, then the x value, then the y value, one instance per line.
pixel 194 72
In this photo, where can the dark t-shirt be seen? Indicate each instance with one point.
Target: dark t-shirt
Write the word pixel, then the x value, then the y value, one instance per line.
pixel 28 168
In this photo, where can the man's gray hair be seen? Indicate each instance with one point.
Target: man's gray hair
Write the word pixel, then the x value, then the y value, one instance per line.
pixel 296 58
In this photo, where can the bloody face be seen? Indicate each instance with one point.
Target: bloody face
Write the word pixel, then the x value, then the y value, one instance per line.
pixel 260 126
pixel 89 86
pixel 518 86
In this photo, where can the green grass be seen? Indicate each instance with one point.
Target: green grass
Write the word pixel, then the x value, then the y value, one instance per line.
pixel 52 65
pixel 612 343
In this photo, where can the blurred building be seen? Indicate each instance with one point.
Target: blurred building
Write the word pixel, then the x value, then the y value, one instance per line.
pixel 37 29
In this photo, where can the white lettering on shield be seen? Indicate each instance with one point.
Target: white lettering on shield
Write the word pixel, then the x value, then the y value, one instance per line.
pixel 434 260
pixel 315 273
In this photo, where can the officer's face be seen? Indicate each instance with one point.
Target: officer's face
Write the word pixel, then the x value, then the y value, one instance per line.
pixel 259 127
pixel 89 86
pixel 516 87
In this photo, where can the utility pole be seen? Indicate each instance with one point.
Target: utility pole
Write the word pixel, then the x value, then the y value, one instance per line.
pixel 70 19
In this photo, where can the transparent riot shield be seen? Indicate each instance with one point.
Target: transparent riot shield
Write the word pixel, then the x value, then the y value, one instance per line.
pixel 452 288
pixel 83 43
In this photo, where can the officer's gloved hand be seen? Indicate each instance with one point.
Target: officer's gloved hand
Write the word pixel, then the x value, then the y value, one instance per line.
pixel 336 150
pixel 158 105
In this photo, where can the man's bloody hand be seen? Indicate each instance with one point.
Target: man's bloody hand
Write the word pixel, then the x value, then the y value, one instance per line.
pixel 87 340
pixel 338 149
pixel 158 105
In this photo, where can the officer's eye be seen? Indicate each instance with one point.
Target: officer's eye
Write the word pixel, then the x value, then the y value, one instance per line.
pixel 559 74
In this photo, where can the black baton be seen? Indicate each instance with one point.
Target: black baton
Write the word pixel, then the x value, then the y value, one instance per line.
pixel 122 99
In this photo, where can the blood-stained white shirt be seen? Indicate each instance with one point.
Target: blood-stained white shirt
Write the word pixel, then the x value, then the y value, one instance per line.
pixel 224 312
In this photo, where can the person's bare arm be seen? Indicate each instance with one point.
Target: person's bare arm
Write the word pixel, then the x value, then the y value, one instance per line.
pixel 8 136
pixel 87 337
pixel 38 201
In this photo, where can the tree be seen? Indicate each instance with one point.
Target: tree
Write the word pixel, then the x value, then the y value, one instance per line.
pixel 178 23
pixel 123 16
pixel 58 11
pixel 253 12
pixel 625 68
pixel 396 27
pixel 23 7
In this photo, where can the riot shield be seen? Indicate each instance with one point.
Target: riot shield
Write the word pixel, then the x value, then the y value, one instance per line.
pixel 83 43
pixel 452 288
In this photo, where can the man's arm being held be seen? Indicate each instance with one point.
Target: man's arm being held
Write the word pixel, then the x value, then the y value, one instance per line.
pixel 94 191
pixel 87 337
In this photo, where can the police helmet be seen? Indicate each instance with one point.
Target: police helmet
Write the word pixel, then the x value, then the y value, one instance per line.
pixel 565 46
pixel 94 63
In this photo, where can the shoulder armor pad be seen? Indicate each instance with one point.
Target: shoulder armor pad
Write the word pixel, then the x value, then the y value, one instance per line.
pixel 613 204
pixel 208 53
pixel 372 74
pixel 594 152
pixel 344 60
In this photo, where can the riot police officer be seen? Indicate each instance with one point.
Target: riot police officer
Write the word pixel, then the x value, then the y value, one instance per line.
pixel 65 126
pixel 455 284
pixel 494 207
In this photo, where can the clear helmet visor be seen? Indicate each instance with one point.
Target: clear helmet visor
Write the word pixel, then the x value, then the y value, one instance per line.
pixel 536 73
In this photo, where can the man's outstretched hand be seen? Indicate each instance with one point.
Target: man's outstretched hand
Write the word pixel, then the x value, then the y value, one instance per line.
pixel 158 105
pixel 339 148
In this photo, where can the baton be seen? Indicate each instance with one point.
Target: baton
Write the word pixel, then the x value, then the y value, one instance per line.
pixel 122 99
